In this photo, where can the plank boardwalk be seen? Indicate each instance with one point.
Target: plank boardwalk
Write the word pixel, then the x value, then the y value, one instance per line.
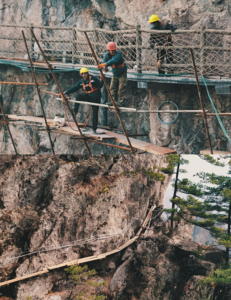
pixel 103 135
pixel 85 259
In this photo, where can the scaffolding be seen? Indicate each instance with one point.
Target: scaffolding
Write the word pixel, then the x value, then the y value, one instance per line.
pixel 65 101
pixel 141 48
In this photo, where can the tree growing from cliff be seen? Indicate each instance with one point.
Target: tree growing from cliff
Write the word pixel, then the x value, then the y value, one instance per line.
pixel 174 162
pixel 210 201
pixel 83 277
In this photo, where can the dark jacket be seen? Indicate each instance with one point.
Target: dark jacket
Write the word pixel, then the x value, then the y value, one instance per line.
pixel 115 60
pixel 96 83
pixel 164 39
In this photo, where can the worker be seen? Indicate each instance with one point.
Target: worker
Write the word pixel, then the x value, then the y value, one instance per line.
pixel 91 86
pixel 162 40
pixel 114 58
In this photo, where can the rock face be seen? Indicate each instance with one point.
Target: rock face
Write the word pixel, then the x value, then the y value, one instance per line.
pixel 117 14
pixel 49 201
pixel 53 204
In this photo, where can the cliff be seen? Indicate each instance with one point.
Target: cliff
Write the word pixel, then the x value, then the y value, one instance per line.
pixel 64 208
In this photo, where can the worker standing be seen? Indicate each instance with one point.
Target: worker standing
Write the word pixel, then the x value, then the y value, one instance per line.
pixel 114 58
pixel 91 86
pixel 162 40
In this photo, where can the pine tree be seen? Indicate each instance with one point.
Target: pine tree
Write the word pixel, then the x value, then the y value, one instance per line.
pixel 210 201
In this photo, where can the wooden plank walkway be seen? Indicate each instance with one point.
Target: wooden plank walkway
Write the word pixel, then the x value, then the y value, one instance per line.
pixel 214 152
pixel 85 259
pixel 106 134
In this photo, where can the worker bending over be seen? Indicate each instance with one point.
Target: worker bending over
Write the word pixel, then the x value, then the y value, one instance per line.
pixel 91 86
pixel 114 58
pixel 162 40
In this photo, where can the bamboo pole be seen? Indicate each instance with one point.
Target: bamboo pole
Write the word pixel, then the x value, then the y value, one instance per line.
pixel 60 90
pixel 213 114
pixel 201 102
pixel 7 125
pixel 109 93
pixel 39 96
pixel 23 83
pixel 101 105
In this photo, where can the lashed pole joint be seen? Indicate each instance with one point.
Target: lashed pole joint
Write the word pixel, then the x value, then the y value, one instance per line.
pixel 60 90
pixel 201 101
pixel 38 91
pixel 109 93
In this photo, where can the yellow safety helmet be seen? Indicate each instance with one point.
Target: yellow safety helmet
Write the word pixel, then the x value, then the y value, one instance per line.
pixel 83 70
pixel 153 18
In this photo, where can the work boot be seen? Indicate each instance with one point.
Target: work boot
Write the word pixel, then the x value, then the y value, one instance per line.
pixel 94 131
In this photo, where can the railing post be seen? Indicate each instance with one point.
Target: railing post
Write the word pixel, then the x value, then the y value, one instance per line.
pixel 138 49
pixel 32 43
pixel 96 40
pixel 74 45
pixel 202 54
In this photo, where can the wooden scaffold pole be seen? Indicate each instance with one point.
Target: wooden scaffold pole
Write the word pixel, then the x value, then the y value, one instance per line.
pixel 201 102
pixel 60 90
pixel 7 125
pixel 109 93
pixel 38 91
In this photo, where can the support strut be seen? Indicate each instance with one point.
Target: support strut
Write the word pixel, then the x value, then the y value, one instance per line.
pixel 201 102
pixel 109 93
pixel 60 90
pixel 38 91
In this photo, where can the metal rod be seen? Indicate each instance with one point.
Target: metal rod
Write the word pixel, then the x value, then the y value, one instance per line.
pixel 7 125
pixel 110 145
pixel 39 96
pixel 109 93
pixel 23 83
pixel 201 101
pixel 60 90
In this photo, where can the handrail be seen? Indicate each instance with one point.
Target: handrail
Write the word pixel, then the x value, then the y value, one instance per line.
pixel 212 49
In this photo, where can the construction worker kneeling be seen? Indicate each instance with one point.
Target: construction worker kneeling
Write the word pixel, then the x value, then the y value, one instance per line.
pixel 118 88
pixel 91 86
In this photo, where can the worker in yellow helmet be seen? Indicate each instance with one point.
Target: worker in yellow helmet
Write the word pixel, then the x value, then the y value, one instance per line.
pixel 164 40
pixel 91 86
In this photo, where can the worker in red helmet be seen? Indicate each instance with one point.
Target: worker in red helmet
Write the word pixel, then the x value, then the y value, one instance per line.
pixel 114 58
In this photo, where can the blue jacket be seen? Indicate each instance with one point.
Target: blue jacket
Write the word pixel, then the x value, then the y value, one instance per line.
pixel 116 60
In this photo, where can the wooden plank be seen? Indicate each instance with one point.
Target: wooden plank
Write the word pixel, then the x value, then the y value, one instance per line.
pixel 66 129
pixel 24 277
pixel 207 151
pixel 141 145
pixel 137 144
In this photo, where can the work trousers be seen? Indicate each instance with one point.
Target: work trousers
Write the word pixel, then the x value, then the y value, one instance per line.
pixel 94 98
pixel 118 88
pixel 161 54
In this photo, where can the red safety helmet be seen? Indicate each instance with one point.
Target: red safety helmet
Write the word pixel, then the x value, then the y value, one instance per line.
pixel 111 46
